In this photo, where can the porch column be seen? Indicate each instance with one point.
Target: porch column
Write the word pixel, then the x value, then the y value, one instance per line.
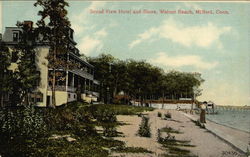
pixel 85 84
pixel 73 80
pixel 67 78
pixel 89 85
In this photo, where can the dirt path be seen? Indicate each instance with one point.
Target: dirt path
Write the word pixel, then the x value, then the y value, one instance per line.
pixel 206 144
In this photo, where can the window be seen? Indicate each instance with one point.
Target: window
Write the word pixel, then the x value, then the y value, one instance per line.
pixel 15 36
pixel 37 97
pixel 32 99
pixel 68 95
pixel 39 100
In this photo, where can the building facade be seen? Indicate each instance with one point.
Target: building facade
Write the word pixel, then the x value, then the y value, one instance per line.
pixel 76 83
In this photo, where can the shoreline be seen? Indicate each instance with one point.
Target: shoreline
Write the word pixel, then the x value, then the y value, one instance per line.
pixel 228 126
pixel 234 137
pixel 167 107
pixel 214 145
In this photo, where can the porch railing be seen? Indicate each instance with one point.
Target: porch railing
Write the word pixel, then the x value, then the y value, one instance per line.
pixel 63 88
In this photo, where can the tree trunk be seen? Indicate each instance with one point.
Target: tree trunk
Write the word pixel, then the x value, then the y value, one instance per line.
pixel 102 93
pixel 151 98
pixel 141 98
pixel 163 95
pixel 1 99
pixel 26 99
pixel 53 105
pixel 79 87
pixel 115 89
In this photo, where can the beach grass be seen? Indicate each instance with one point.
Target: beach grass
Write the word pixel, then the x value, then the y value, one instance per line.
pixel 144 128
pixel 170 130
pixel 167 116
pixel 159 114
pixel 174 147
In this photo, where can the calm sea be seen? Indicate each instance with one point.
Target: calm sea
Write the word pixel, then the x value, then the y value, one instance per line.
pixel 238 118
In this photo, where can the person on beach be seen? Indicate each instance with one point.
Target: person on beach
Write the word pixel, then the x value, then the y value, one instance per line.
pixel 203 112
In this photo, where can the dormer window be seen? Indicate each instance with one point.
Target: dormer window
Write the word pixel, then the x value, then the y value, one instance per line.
pixel 15 36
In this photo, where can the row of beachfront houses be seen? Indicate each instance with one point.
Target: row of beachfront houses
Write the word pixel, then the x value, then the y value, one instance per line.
pixel 79 83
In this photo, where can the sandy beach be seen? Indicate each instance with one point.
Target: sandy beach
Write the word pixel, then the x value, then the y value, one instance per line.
pixel 206 143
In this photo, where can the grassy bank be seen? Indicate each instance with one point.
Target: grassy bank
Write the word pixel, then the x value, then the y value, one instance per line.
pixel 69 130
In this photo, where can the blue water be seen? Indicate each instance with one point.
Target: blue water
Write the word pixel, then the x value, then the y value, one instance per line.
pixel 237 118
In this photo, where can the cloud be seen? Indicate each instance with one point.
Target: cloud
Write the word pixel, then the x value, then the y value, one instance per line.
pixel 144 36
pixel 101 33
pixel 92 42
pixel 89 44
pixel 81 21
pixel 89 41
pixel 182 60
pixel 82 16
pixel 202 36
pixel 77 28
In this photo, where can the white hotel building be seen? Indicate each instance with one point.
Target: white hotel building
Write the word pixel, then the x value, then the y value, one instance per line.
pixel 79 83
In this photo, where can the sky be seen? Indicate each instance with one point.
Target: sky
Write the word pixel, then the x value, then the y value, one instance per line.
pixel 216 45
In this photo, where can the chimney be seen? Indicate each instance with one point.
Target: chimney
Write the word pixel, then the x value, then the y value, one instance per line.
pixel 28 23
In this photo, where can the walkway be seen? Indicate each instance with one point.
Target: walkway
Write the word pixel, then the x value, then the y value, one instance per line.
pixel 238 139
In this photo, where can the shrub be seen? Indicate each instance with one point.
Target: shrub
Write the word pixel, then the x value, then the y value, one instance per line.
pixel 109 131
pixel 105 115
pixel 168 115
pixel 159 114
pixel 144 129
pixel 19 129
pixel 170 130
pixel 160 139
pixel 23 122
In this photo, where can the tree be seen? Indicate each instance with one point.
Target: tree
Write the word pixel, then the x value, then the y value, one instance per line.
pixel 163 86
pixel 28 73
pixel 119 76
pixel 103 71
pixel 56 33
pixel 5 61
pixel 141 80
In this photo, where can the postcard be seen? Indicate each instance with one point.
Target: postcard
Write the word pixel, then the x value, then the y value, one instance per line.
pixel 124 78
